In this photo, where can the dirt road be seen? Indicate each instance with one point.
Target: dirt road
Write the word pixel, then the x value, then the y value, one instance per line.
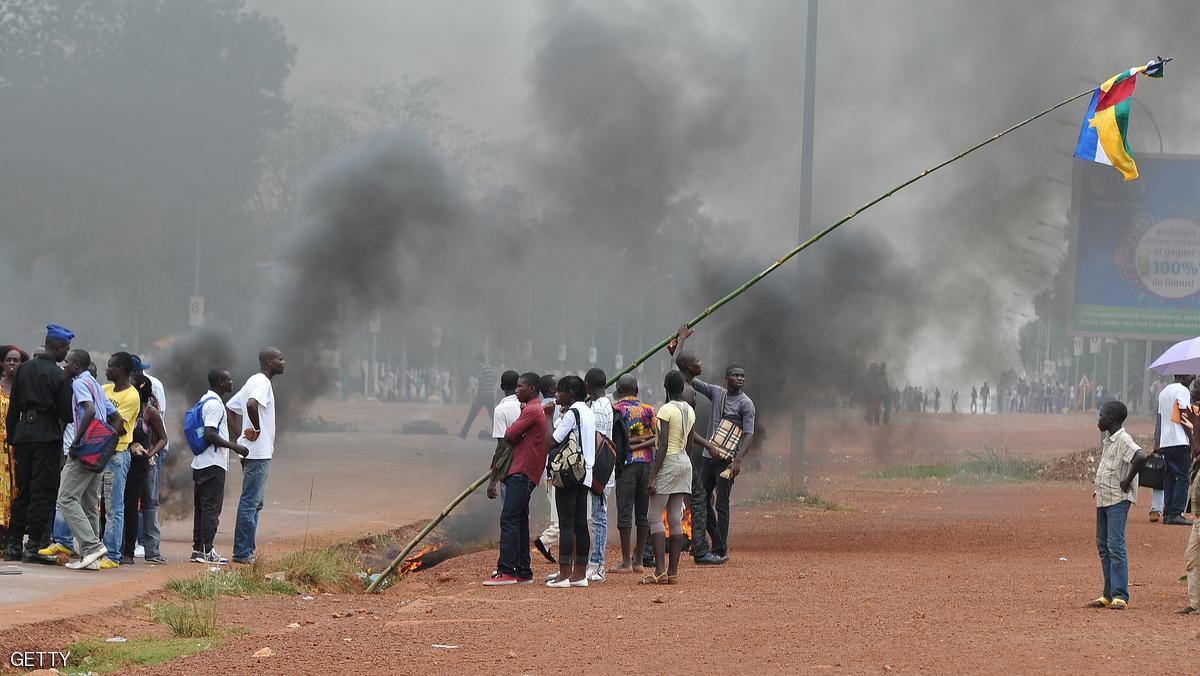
pixel 915 576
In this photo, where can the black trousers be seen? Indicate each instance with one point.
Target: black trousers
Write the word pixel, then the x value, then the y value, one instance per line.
pixel 37 470
pixel 717 492
pixel 573 534
pixel 208 492
pixel 480 404
pixel 135 497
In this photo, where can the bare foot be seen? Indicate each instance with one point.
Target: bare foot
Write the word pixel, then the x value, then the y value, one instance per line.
pixel 622 569
pixel 639 570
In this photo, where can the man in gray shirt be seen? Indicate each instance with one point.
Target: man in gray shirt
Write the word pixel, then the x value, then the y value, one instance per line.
pixel 728 403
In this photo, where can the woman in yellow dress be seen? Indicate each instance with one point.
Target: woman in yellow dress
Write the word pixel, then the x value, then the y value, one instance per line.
pixel 12 357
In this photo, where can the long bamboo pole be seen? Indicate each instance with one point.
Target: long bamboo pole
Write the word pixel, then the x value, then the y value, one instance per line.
pixel 374 586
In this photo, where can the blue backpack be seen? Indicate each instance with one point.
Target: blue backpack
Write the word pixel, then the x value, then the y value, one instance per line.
pixel 193 427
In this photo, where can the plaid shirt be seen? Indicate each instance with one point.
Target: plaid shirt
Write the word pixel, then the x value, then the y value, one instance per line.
pixel 1116 454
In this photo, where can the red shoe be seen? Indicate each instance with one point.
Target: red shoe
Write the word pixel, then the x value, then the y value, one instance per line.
pixel 501 579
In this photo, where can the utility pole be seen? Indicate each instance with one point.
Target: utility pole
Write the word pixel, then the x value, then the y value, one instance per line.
pixel 805 225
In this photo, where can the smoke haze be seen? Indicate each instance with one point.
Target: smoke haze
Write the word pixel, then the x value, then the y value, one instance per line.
pixel 583 174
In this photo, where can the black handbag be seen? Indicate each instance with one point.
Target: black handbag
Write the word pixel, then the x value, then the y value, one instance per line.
pixel 1151 475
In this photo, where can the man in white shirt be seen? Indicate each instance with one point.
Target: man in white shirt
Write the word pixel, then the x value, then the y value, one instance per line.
pixel 208 469
pixel 505 414
pixel 149 532
pixel 255 405
pixel 1171 439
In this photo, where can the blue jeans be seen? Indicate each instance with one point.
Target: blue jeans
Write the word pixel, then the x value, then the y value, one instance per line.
pixel 149 534
pixel 254 490
pixel 514 528
pixel 1110 542
pixel 1175 480
pixel 599 521
pixel 62 532
pixel 1157 500
pixel 113 491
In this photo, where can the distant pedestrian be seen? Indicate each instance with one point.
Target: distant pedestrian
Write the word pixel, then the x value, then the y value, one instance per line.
pixel 485 394
pixel 974 398
pixel 255 404
pixel 1115 487
pixel 209 468
pixel 38 409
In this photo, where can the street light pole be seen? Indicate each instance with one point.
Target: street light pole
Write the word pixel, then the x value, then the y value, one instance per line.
pixel 796 455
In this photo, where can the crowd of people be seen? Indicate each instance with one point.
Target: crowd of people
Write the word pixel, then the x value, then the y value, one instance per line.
pixel 1033 395
pixel 660 464
pixel 81 463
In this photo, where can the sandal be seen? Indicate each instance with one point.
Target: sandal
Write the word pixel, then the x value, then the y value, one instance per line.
pixel 672 579
pixel 653 579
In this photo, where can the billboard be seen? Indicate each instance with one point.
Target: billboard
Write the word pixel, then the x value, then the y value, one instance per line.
pixel 1136 249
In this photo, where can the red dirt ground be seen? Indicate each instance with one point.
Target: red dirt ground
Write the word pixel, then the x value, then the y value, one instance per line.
pixel 918 576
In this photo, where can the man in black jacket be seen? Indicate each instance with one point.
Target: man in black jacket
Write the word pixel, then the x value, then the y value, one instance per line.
pixel 40 407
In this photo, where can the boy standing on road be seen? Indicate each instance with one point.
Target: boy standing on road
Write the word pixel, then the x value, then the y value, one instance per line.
pixel 1115 490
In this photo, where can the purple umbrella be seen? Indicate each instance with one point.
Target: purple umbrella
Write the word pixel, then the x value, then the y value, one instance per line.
pixel 1182 358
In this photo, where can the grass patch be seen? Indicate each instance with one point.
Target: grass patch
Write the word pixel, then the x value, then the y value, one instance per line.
pixel 992 465
pixel 190 619
pixel 779 488
pixel 95 655
pixel 328 569
pixel 229 583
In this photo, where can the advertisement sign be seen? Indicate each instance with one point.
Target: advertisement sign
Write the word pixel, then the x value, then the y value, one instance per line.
pixel 1137 249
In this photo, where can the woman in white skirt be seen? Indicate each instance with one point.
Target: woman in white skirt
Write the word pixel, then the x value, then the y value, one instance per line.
pixel 671 480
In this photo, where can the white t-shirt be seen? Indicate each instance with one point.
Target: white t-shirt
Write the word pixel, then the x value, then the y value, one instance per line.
pixel 160 394
pixel 215 417
pixel 587 434
pixel 603 410
pixel 1172 433
pixel 258 388
pixel 505 414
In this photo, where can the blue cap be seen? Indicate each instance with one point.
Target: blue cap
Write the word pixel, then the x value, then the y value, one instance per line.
pixel 139 365
pixel 60 333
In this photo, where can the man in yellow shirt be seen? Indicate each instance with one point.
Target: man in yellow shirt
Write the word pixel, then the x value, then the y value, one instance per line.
pixel 125 398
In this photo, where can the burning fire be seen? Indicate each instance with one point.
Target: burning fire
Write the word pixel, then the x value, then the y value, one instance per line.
pixel 415 562
pixel 686 522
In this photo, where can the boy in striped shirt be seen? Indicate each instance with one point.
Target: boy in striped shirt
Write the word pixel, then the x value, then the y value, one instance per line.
pixel 1115 490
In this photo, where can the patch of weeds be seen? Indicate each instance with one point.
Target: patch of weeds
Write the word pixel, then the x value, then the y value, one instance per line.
pixel 327 569
pixel 212 584
pixel 779 488
pixel 191 619
pixel 994 464
pixel 319 425
pixel 96 655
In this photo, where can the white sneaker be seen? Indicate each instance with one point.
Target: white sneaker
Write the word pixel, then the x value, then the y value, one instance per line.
pixel 551 576
pixel 580 583
pixel 139 552
pixel 89 561
pixel 559 585
pixel 596 575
